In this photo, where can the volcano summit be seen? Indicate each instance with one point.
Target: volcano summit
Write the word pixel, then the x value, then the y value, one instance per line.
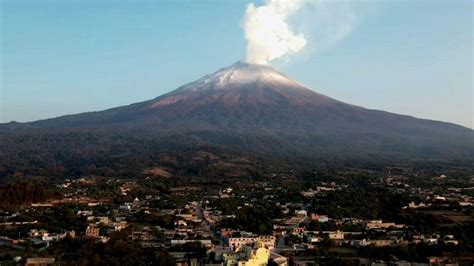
pixel 256 108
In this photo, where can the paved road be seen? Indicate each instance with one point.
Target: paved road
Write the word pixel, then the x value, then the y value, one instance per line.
pixel 207 226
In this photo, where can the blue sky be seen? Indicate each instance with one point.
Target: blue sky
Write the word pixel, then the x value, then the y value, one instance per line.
pixel 64 57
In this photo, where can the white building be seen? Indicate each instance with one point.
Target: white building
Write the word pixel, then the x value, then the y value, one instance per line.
pixel 239 242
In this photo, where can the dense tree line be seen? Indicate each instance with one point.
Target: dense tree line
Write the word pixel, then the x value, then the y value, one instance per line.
pixel 368 203
pixel 163 220
pixel 127 152
pixel 412 252
pixel 21 192
pixel 118 251
pixel 256 219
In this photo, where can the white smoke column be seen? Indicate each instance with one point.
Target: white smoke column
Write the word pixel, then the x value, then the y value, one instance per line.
pixel 327 22
pixel 324 23
pixel 267 31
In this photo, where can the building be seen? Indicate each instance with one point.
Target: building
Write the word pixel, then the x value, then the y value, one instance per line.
pixel 125 207
pixel 301 214
pixel 297 230
pixel 319 218
pixel 336 235
pixel 40 261
pixel 267 241
pixel 378 224
pixel 226 232
pixel 237 243
pixel 278 259
pixel 92 231
pixel 118 226
pixel 257 257
pixel 205 242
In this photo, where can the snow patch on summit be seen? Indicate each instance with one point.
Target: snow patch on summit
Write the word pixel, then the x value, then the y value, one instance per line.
pixel 228 84
pixel 240 74
pixel 248 74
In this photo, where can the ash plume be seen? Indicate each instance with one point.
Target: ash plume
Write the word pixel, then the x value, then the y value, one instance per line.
pixel 269 28
pixel 268 33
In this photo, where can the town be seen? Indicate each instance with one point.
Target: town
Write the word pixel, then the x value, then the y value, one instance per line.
pixel 392 216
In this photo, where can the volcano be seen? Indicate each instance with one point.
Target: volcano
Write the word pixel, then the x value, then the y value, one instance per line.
pixel 256 108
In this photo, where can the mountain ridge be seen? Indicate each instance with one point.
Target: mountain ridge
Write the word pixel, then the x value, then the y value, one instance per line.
pixel 244 102
pixel 237 65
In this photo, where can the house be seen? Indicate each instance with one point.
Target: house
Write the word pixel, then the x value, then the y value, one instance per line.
pixel 431 240
pixel 336 235
pixel 413 205
pixel 84 213
pixel 301 214
pixel 278 259
pixel 40 261
pixel 92 231
pixel 118 226
pixel 319 218
pixel 465 203
pixel 226 232
pixel 314 239
pixel 308 194
pixel 267 241
pixel 449 239
pixel 152 244
pixel 238 242
pixel 103 220
pixel 136 202
pixel 126 207
pixel 37 233
pixel 297 230
pixel 378 224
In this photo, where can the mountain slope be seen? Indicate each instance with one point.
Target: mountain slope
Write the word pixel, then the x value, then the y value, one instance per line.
pixel 247 103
